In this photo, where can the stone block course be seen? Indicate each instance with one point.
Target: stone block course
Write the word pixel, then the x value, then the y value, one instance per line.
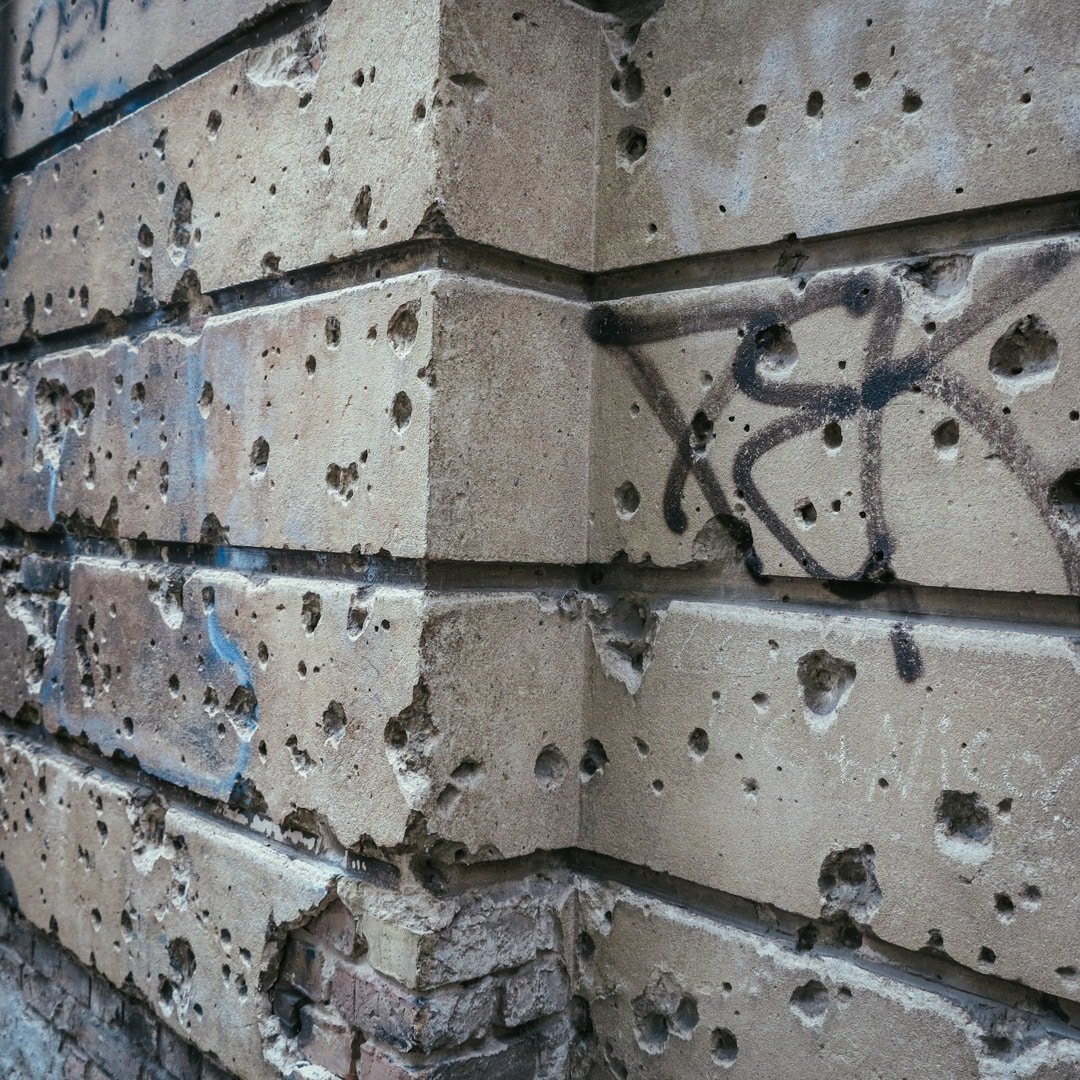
pixel 538 541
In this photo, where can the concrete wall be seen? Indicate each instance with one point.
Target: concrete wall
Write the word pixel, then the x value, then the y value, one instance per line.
pixel 539 541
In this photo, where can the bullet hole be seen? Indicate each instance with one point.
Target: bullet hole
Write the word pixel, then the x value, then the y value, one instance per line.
pixel 17 106
pixel 1064 492
pixel 332 331
pixel 631 144
pixel 403 326
pixel 627 84
pixel 270 263
pixel 1005 807
pixel 145 239
pixel 593 760
pixel 806 514
pixel 806 938
pixel 324 157
pixel 963 815
pixel 208 598
pixel 826 681
pixel 701 434
pixel 911 102
pixel 661 1011
pixel 357 617
pixel 182 957
pixel 724 1047
pixel 310 365
pixel 815 103
pixel 420 111
pixel 84 301
pixel 832 435
pixel 760 701
pixel 987 955
pixel 698 743
pixel 212 532
pixel 848 885
pixel 862 80
pixel 1004 905
pixel 641 746
pixel 311 611
pixel 551 767
pixel 1066 972
pixel 341 480
pixel 1025 356
pixel 129 726
pixel 260 455
pixel 206 399
pixel 749 785
pixel 180 224
pixel 586 947
pixel 174 685
pixel 1025 98
pixel 1032 895
pixel 810 1001
pixel 946 436
pixel 756 115
pixel 658 786
pixel 242 707
pixel 361 211
pixel 263 652
pixel 333 721
pixel 213 124
pixel 401 410
pixel 627 500
pixel 776 352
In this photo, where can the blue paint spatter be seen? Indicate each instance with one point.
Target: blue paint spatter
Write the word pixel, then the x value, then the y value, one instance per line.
pixel 229 653
pixel 101 730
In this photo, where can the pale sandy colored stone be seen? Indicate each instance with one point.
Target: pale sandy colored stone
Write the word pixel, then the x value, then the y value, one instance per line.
pixel 759 742
pixel 995 123
pixel 674 994
pixel 325 703
pixel 743 382
pixel 68 60
pixel 347 135
pixel 339 423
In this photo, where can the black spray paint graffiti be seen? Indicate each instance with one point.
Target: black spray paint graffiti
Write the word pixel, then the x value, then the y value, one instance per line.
pixel 766 349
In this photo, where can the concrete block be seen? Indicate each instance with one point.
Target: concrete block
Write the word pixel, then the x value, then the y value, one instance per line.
pixel 913 776
pixel 677 994
pixel 67 62
pixel 340 423
pixel 368 149
pixel 377 691
pixel 865 424
pixel 733 128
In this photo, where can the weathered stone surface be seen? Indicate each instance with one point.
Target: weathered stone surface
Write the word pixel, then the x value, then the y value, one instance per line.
pixel 189 910
pixel 729 128
pixel 338 423
pixel 915 420
pixel 67 60
pixel 915 777
pixel 326 143
pixel 277 695
pixel 676 994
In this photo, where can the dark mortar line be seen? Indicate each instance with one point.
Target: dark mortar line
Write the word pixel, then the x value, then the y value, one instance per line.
pixel 274 22
pixel 941 975
pixel 1054 216
pixel 916 605
pixel 794 257
pixel 126 769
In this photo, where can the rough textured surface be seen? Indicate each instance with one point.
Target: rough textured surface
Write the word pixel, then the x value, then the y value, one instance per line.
pixel 538 541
